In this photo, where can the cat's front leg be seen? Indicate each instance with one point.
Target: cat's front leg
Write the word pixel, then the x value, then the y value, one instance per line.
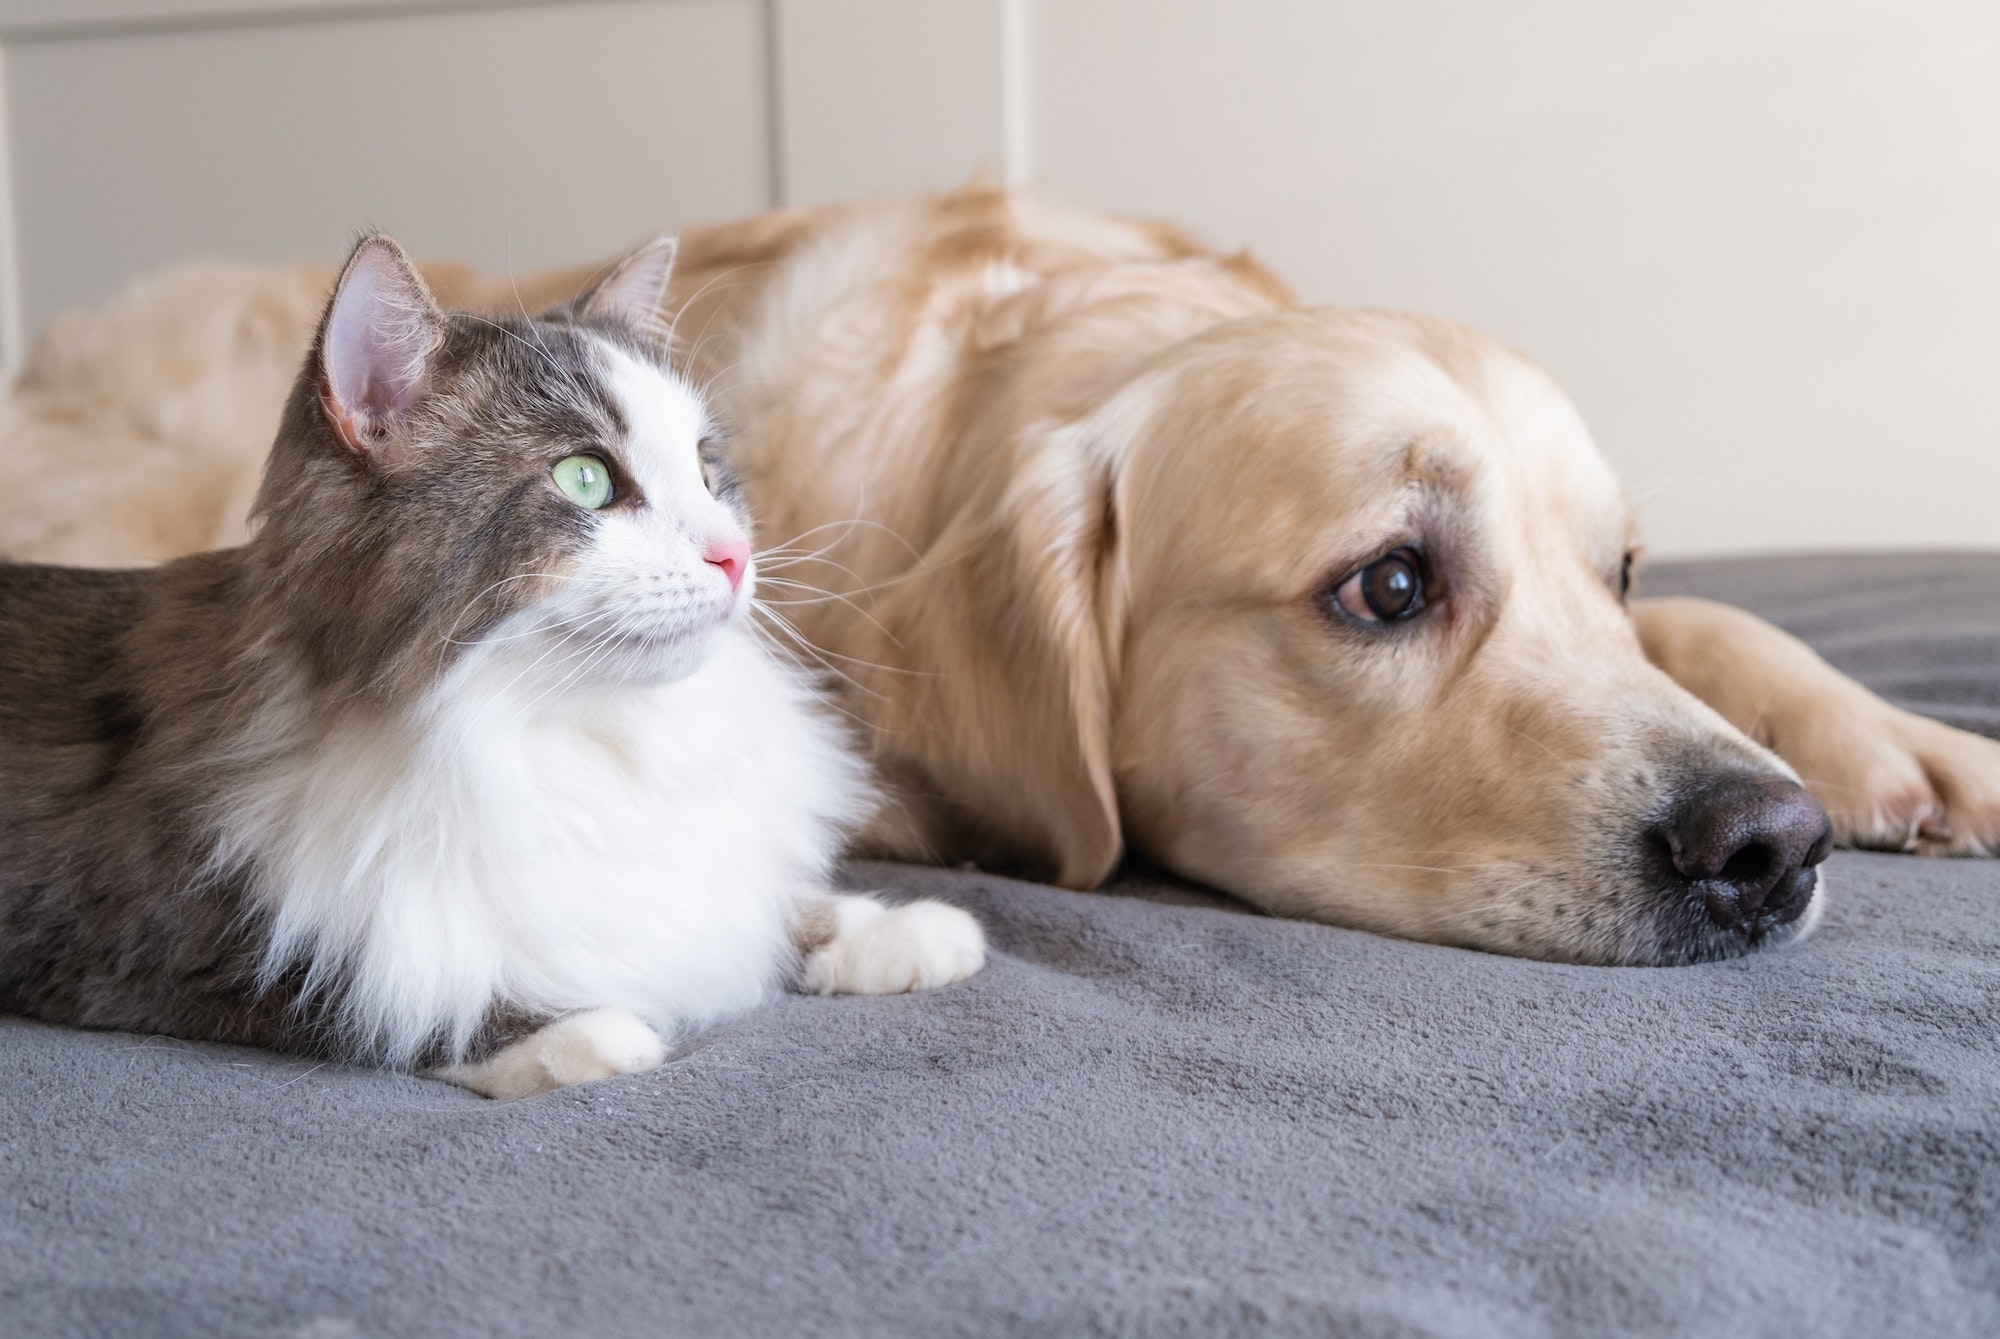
pixel 851 945
pixel 576 1048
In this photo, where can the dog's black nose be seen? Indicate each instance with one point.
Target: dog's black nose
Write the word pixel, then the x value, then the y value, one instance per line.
pixel 1749 846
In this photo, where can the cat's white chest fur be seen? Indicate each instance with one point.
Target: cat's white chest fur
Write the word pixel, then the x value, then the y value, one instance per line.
pixel 637 848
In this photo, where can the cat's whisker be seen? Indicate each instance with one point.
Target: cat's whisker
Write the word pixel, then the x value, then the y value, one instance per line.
pixel 571 664
pixel 606 644
pixel 560 643
pixel 802 646
pixel 849 523
pixel 579 662
pixel 521 305
pixel 696 296
pixel 719 394
pixel 818 653
pixel 848 598
pixel 693 358
pixel 786 562
pixel 783 562
pixel 538 628
pixel 870 664
pixel 780 559
pixel 819 596
pixel 779 649
pixel 710 382
pixel 449 636
pixel 858 591
pixel 764 581
pixel 694 351
pixel 539 349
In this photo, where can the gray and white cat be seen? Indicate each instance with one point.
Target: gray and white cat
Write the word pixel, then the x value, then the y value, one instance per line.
pixel 468 761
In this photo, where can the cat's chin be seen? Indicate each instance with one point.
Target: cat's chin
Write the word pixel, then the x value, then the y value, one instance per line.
pixel 643 659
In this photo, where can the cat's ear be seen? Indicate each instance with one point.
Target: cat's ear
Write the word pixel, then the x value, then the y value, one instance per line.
pixel 632 293
pixel 375 351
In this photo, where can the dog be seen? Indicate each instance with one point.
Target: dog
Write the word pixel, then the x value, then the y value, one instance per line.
pixel 1112 546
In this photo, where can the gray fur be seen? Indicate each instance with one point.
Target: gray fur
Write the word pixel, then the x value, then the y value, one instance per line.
pixel 126 697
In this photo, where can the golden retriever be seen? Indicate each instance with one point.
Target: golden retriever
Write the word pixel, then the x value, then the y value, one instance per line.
pixel 1111 546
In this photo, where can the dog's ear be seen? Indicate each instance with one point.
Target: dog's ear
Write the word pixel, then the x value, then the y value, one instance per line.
pixel 996 729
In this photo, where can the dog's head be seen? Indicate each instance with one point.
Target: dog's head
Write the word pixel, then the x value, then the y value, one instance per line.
pixel 1325 608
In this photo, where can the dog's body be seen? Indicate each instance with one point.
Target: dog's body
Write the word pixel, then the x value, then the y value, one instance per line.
pixel 1122 549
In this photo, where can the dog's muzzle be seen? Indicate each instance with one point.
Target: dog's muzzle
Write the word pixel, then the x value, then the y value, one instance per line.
pixel 1748 847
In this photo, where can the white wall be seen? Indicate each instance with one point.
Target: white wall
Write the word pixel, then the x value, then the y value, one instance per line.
pixel 473 132
pixel 1758 240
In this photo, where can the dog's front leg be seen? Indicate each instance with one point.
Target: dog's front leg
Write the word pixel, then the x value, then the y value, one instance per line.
pixel 1891 780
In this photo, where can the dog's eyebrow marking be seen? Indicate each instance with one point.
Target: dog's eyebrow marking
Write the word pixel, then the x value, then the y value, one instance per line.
pixel 1434 490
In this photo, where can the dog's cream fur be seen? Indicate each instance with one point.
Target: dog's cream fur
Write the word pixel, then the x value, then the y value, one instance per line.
pixel 1079 490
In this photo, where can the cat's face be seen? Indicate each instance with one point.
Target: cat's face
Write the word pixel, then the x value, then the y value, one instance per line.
pixel 655 559
pixel 544 499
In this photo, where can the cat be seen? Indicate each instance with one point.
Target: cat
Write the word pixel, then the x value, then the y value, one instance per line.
pixel 468 761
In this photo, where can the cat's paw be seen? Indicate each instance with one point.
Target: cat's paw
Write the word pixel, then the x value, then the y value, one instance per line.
pixel 1895 781
pixel 576 1048
pixel 879 950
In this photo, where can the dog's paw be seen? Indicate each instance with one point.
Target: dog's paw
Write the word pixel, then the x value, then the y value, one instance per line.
pixel 878 950
pixel 1895 781
pixel 576 1048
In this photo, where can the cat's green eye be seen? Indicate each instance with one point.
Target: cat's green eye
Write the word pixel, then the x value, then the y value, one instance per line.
pixel 584 480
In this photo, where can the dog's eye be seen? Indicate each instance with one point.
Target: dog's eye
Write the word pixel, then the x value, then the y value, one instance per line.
pixel 1625 575
pixel 1388 589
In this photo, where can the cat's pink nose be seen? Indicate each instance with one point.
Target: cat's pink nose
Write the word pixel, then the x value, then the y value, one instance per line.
pixel 732 555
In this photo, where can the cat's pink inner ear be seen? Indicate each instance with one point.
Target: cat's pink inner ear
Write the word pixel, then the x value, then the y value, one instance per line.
pixel 379 339
pixel 633 292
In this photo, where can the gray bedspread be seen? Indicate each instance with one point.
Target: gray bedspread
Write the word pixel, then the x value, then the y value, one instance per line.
pixel 1152 1114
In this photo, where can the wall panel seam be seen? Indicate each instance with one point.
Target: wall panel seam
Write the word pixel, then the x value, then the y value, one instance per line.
pixel 1017 162
pixel 196 20
pixel 13 326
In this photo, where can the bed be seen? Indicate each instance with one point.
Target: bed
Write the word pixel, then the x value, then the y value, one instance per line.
pixel 1156 1112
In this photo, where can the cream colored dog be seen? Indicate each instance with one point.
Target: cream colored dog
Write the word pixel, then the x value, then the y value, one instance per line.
pixel 1112 546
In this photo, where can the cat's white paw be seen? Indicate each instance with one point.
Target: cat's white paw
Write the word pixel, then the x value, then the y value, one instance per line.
pixel 576 1048
pixel 879 950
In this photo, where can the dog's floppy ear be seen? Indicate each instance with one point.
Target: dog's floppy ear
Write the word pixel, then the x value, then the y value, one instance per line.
pixel 996 729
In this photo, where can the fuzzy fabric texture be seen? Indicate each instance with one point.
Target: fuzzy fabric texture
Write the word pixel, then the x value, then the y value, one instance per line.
pixel 1151 1114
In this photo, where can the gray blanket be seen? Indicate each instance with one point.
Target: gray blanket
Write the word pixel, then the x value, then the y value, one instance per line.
pixel 1152 1114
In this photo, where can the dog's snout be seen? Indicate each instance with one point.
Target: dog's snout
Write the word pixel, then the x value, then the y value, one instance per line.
pixel 1749 847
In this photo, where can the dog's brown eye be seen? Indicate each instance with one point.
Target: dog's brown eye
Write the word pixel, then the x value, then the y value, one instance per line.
pixel 1390 588
pixel 1625 575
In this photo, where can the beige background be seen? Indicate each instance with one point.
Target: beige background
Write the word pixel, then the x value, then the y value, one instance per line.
pixel 1758 240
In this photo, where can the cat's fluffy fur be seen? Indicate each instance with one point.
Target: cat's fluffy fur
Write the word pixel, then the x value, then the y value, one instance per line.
pixel 442 769
pixel 637 847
